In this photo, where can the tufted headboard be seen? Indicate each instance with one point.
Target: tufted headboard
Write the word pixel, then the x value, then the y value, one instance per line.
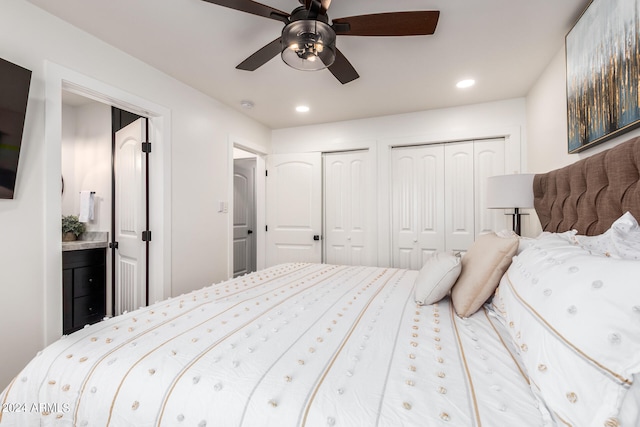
pixel 590 194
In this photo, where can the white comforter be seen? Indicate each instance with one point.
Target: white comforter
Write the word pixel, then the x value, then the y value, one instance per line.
pixel 293 345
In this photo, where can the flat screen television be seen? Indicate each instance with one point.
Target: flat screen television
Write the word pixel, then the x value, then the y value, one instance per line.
pixel 14 92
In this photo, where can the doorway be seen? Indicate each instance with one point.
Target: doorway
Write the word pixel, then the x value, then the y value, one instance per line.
pixel 244 215
pixel 59 79
pixel 101 151
pixel 239 149
pixel 85 161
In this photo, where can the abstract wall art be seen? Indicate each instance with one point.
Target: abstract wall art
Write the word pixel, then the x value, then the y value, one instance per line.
pixel 603 72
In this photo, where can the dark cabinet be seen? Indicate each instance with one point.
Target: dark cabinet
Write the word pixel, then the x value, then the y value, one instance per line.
pixel 83 288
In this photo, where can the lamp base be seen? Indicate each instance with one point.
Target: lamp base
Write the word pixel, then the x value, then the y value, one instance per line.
pixel 516 223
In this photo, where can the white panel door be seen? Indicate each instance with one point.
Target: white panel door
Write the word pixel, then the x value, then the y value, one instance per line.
pixel 294 208
pixel 349 208
pixel 418 219
pixel 244 216
pixel 130 217
pixel 488 161
pixel 459 196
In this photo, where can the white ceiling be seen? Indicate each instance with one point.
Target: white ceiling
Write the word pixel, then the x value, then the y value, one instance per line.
pixel 503 44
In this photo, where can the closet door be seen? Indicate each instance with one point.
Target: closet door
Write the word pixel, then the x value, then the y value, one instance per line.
pixel 417 204
pixel 439 198
pixel 488 161
pixel 349 208
pixel 459 196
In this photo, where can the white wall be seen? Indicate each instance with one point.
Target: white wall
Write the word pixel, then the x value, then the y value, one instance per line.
pixel 86 160
pixel 200 128
pixel 547 122
pixel 459 123
pixel 503 118
pixel 67 157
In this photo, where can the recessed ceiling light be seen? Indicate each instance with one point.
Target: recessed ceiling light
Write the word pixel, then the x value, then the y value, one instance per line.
pixel 465 83
pixel 302 109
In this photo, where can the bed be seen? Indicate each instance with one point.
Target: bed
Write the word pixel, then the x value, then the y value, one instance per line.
pixel 558 342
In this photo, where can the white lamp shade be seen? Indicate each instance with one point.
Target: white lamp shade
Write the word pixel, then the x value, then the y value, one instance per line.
pixel 510 191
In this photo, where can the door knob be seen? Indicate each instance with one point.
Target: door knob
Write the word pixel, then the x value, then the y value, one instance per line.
pixel 316 237
pixel 249 231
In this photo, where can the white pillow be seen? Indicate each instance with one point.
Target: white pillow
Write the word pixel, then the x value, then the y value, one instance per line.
pixel 576 319
pixel 622 240
pixel 436 277
pixel 482 267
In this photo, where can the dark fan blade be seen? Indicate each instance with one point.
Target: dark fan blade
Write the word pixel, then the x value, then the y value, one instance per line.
pixel 342 69
pixel 262 56
pixel 420 23
pixel 254 8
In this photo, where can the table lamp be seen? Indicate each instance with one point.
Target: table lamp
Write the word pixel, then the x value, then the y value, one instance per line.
pixel 511 192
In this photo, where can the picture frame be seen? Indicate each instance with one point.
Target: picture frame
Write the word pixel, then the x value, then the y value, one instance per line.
pixel 603 69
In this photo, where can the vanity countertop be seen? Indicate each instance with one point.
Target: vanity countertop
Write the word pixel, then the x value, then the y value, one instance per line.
pixel 88 240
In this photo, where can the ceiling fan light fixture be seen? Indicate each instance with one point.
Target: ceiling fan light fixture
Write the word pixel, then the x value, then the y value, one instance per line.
pixel 308 45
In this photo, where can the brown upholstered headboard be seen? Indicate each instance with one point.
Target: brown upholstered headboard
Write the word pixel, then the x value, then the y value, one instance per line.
pixel 592 193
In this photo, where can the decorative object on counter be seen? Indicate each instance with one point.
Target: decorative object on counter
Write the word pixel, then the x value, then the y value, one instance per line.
pixel 71 228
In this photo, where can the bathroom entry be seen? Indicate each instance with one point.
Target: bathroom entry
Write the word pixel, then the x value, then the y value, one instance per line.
pixel 130 211
pixel 102 153
pixel 86 166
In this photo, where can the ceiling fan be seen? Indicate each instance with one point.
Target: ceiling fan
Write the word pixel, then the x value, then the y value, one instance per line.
pixel 308 41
